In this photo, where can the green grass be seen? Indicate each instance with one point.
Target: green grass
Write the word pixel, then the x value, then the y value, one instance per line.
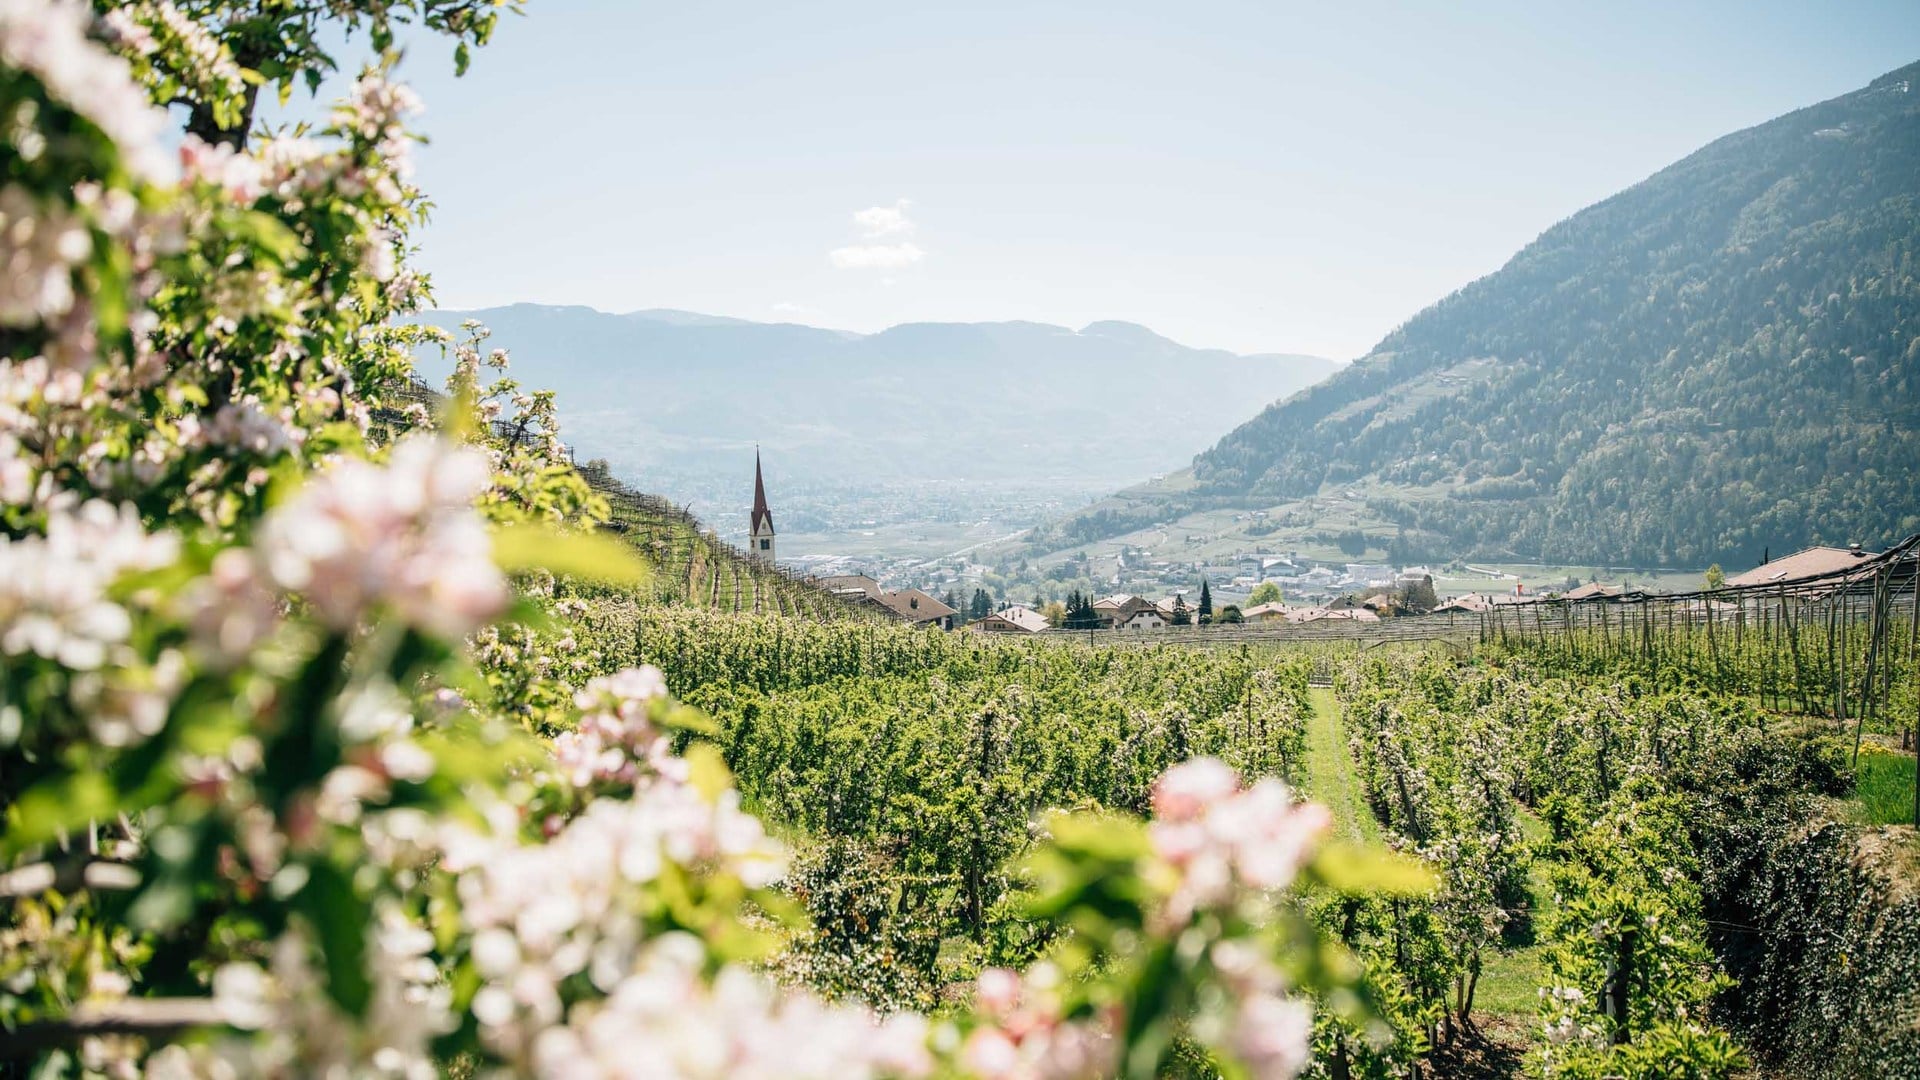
pixel 1510 984
pixel 1884 788
pixel 1330 778
pixel 1510 979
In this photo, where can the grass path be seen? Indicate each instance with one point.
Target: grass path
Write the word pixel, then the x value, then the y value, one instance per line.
pixel 1506 1001
pixel 1330 776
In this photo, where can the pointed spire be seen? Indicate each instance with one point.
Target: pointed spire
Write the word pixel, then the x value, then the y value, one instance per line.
pixel 760 511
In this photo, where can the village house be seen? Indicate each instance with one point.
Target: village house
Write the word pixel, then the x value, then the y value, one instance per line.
pixel 1273 612
pixel 908 605
pixel 1014 619
pixel 1385 606
pixel 1320 614
pixel 1470 604
pixel 918 608
pixel 1116 610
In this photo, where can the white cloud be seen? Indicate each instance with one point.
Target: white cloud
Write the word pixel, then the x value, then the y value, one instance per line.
pixel 876 256
pixel 883 232
pixel 878 221
pixel 789 308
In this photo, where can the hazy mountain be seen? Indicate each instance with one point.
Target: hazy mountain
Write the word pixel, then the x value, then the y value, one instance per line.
pixel 1720 359
pixel 676 400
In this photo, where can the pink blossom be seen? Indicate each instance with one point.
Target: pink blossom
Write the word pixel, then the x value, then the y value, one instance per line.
pixel 1222 839
pixel 53 589
pixel 404 537
pixel 1273 1036
pixel 999 991
pixel 1191 786
pixel 240 176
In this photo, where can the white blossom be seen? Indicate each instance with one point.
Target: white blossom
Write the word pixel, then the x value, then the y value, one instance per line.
pixel 40 244
pixel 53 589
pixel 404 537
pixel 49 39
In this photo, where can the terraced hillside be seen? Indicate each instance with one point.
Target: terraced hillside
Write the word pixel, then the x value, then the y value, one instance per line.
pixel 696 568
pixel 692 566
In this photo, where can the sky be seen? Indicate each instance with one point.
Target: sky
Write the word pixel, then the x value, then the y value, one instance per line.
pixel 1262 177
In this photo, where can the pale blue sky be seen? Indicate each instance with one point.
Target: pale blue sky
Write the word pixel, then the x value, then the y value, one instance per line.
pixel 1255 176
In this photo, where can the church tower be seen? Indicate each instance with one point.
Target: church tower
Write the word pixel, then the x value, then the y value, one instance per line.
pixel 760 522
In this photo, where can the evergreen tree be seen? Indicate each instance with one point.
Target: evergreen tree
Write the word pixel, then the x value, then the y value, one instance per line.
pixel 1181 616
pixel 1206 602
pixel 982 605
pixel 1080 614
pixel 1420 595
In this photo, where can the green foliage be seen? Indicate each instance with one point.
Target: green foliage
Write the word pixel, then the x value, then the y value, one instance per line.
pixel 1884 785
pixel 285 45
pixel 924 758
pixel 1079 612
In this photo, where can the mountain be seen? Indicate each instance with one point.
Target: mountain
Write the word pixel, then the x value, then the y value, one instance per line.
pixel 1718 361
pixel 676 400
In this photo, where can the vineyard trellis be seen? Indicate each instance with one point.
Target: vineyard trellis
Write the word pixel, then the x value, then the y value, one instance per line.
pixel 1843 644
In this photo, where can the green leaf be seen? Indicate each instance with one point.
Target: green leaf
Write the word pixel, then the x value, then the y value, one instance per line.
pixel 340 919
pixel 587 556
pixel 265 233
pixel 1103 836
pixel 687 718
pixel 1359 871
pixel 45 810
pixel 462 56
pixel 306 745
pixel 707 770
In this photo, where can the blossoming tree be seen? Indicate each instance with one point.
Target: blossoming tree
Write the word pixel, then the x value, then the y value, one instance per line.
pixel 297 773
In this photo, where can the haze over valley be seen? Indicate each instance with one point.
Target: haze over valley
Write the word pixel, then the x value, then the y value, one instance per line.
pixel 915 441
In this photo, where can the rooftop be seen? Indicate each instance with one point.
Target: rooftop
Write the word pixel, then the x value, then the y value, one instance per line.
pixel 1805 563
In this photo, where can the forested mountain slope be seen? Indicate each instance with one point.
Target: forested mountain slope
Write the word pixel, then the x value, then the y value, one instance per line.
pixel 1722 358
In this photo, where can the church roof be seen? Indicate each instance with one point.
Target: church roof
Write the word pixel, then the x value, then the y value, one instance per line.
pixel 760 512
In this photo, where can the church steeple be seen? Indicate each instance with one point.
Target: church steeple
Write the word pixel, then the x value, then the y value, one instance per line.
pixel 760 522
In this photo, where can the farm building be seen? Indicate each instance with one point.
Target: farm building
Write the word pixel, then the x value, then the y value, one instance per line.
pixel 1807 562
pixel 1014 619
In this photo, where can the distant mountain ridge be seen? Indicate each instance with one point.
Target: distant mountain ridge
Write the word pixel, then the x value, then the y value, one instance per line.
pixel 1719 360
pixel 674 399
